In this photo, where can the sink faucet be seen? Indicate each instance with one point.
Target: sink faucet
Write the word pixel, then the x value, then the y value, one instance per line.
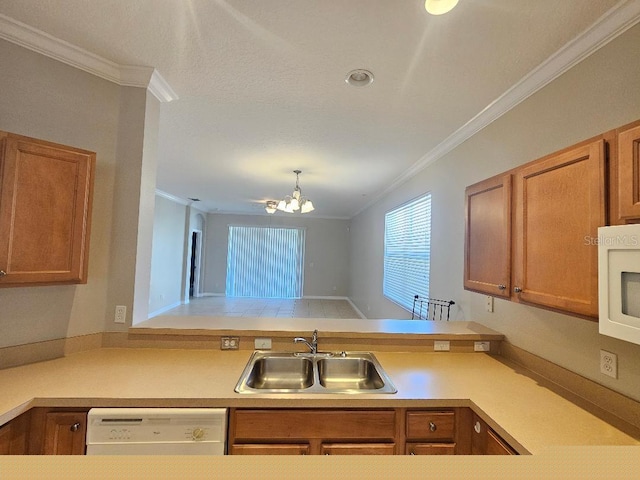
pixel 313 346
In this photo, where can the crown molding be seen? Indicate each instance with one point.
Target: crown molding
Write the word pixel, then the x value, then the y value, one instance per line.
pixel 611 25
pixel 173 198
pixel 38 41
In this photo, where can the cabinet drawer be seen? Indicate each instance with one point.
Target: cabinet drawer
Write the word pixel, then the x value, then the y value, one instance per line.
pixel 430 425
pixel 357 449
pixel 267 449
pixel 430 449
pixel 305 424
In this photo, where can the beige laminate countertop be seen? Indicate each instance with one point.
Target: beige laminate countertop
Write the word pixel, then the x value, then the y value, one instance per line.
pixel 328 327
pixel 526 412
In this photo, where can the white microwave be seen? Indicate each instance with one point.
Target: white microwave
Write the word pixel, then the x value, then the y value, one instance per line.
pixel 619 282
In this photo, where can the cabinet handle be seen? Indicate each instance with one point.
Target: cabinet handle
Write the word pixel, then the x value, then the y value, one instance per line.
pixel 75 427
pixel 502 287
pixel 432 426
pixel 477 427
pixel 517 290
pixel 2 273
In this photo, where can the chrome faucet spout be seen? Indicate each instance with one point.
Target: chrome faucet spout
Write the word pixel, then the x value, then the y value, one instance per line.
pixel 313 345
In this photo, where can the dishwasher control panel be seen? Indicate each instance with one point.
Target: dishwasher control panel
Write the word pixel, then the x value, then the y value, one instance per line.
pixel 161 427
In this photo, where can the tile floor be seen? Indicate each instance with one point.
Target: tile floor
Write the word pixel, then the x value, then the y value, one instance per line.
pixel 268 307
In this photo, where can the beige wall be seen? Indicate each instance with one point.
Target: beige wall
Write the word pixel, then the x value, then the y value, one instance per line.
pixel 168 254
pixel 326 268
pixel 600 93
pixel 43 98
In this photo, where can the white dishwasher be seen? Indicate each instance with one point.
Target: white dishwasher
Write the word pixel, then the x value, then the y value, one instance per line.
pixel 156 431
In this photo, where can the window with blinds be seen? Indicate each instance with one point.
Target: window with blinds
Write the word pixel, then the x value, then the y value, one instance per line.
pixel 407 245
pixel 265 262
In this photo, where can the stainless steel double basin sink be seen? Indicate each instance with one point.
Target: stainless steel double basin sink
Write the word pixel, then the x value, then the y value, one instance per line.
pixel 345 372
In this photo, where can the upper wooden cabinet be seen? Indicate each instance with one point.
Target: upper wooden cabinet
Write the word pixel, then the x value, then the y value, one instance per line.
pixel 487 266
pixel 559 205
pixel 626 175
pixel 530 241
pixel 45 212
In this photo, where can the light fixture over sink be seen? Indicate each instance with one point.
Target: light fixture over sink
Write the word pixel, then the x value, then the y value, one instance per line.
pixel 291 203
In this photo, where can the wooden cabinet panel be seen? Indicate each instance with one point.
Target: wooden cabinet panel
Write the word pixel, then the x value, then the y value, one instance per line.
pixel 357 449
pixel 560 203
pixel 628 174
pixel 269 449
pixel 65 433
pixel 427 425
pixel 487 266
pixel 15 435
pixel 5 439
pixel 487 442
pixel 495 445
pixel 45 211
pixel 305 424
pixel 430 449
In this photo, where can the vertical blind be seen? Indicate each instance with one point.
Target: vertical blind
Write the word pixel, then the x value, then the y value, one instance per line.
pixel 407 245
pixel 265 262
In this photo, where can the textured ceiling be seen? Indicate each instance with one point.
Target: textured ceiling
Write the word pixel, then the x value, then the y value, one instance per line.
pixel 261 83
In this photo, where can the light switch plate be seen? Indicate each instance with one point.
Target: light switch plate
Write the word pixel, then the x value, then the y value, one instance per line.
pixel 441 345
pixel 262 343
pixel 481 346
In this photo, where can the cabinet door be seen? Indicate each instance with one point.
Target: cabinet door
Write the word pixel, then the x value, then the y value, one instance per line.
pixel 269 449
pixel 65 433
pixel 14 436
pixel 430 449
pixel 486 442
pixel 45 203
pixel 357 449
pixel 487 252
pixel 629 173
pixel 560 203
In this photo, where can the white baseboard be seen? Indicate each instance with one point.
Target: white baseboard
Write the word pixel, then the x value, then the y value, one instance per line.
pixel 160 311
pixel 353 305
pixel 322 297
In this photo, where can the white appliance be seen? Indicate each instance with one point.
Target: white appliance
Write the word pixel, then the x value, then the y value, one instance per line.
pixel 619 281
pixel 156 431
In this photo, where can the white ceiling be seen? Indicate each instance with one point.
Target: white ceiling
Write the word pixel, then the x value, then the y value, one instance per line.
pixel 261 84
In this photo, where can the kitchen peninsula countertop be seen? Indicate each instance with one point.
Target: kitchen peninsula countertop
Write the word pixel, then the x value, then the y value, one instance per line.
pixel 522 408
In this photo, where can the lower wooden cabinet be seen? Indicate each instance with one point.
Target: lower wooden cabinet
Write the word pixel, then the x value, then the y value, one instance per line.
pixel 312 431
pixel 415 448
pixel 57 431
pixel 14 436
pixel 394 431
pixel 486 441
pixel 358 449
pixel 269 449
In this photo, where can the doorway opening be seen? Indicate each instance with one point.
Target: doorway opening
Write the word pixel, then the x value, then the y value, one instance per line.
pixel 194 263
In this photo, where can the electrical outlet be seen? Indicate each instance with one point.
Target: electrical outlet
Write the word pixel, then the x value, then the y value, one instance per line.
pixel 229 343
pixel 489 304
pixel 121 314
pixel 481 346
pixel 609 363
pixel 441 345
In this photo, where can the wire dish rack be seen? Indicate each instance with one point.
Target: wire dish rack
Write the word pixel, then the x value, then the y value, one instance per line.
pixel 431 308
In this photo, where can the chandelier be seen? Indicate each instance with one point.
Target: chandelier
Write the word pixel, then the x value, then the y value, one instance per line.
pixel 291 203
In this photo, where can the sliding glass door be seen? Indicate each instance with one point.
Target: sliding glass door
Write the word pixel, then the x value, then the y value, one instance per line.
pixel 265 262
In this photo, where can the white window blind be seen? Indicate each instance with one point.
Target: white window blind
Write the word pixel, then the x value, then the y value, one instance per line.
pixel 265 262
pixel 407 245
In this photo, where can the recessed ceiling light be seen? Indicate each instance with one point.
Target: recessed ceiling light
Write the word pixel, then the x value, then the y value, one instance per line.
pixel 439 7
pixel 359 78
